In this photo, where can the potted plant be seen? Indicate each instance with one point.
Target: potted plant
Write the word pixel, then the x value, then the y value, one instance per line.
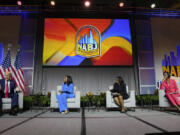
pixel 84 101
pixel 89 95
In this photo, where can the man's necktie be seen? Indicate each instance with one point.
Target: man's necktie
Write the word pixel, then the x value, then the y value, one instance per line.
pixel 6 90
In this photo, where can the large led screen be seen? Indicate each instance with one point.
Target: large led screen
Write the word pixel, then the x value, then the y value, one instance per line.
pixel 87 42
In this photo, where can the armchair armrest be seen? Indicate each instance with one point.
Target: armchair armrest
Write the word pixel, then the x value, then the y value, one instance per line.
pixel 108 93
pixel 108 98
pixel 77 98
pixel 20 99
pixel 163 101
pixel 132 95
pixel 161 93
pixel 53 98
pixel 77 94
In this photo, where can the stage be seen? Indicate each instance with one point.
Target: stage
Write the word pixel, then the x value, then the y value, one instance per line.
pixel 91 122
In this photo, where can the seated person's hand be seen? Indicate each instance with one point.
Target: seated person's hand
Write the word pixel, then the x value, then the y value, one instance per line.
pixel 17 89
pixel 163 79
pixel 60 91
pixel 119 94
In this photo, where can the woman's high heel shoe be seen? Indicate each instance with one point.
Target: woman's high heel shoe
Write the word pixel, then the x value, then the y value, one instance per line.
pixel 66 112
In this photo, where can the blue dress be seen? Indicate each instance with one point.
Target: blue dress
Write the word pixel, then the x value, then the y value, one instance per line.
pixel 67 92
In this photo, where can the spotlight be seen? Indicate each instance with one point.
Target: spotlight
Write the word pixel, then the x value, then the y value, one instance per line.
pixel 121 4
pixel 153 5
pixel 19 3
pixel 87 3
pixel 53 3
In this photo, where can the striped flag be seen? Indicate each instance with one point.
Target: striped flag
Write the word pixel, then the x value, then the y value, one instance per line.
pixel 1 60
pixel 1 53
pixel 6 64
pixel 1 73
pixel 18 73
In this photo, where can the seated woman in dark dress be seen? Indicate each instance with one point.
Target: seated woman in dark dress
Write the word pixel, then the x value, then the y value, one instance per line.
pixel 119 92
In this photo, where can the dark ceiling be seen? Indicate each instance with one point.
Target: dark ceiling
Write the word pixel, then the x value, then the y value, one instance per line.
pixel 171 4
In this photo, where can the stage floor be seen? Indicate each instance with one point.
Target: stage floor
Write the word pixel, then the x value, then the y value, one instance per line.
pixel 140 122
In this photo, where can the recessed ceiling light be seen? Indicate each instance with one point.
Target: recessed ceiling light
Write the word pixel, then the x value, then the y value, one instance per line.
pixel 87 3
pixel 53 3
pixel 121 4
pixel 153 5
pixel 19 3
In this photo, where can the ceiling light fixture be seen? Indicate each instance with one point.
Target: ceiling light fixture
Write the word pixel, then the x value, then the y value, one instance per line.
pixel 87 3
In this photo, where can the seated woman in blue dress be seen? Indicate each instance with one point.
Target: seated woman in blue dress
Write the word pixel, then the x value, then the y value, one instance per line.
pixel 66 92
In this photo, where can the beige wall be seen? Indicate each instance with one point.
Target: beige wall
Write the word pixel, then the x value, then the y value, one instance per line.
pixel 165 36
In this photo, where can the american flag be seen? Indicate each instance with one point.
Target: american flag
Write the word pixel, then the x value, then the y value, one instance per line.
pixel 1 73
pixel 6 64
pixel 1 60
pixel 15 70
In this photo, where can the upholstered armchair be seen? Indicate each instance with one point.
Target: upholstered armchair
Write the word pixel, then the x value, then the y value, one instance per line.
pixel 163 101
pixel 129 103
pixel 71 102
pixel 6 102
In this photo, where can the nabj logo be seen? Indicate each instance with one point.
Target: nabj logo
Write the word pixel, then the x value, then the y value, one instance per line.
pixel 88 41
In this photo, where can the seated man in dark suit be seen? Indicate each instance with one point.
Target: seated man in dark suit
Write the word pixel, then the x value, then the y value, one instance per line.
pixel 8 90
